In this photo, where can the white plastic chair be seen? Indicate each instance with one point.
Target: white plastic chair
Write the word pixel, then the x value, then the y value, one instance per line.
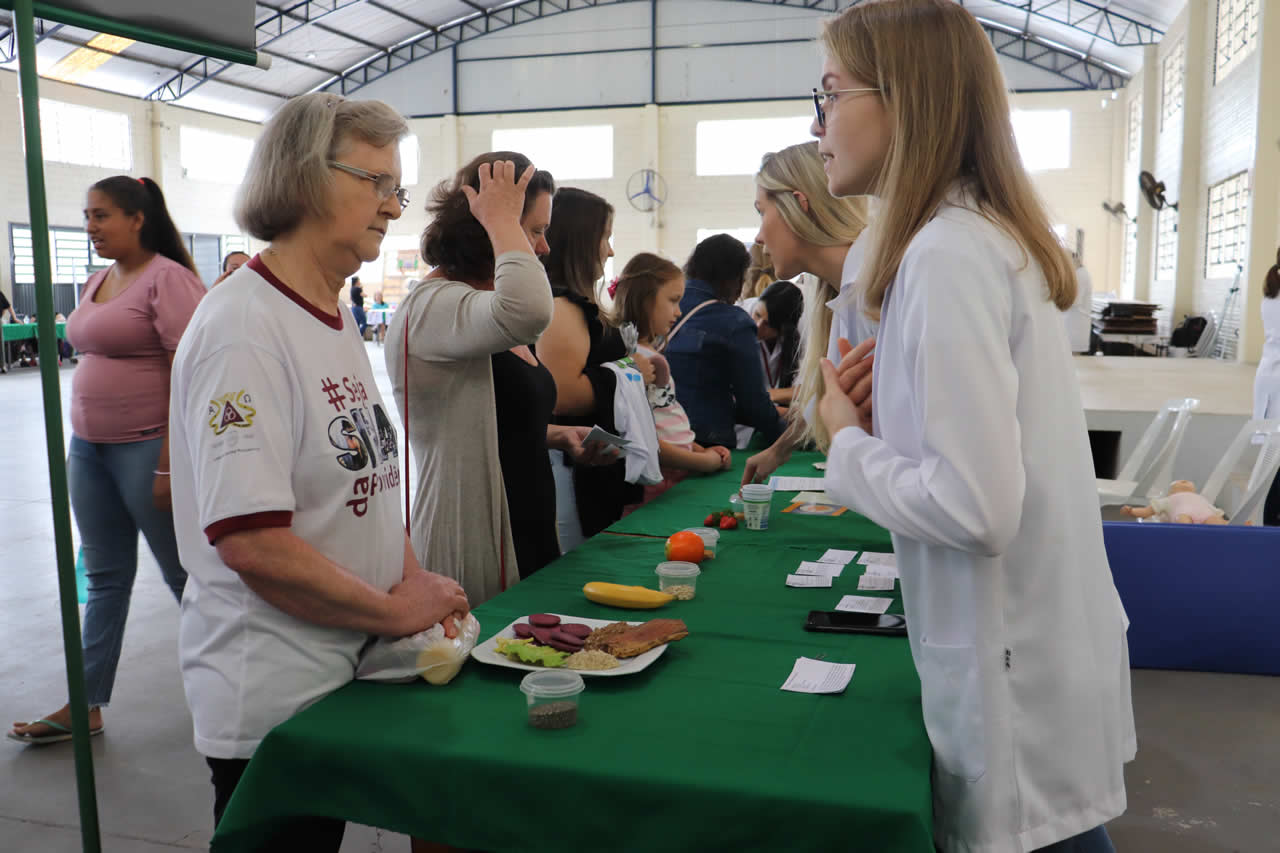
pixel 1208 337
pixel 1151 462
pixel 1266 435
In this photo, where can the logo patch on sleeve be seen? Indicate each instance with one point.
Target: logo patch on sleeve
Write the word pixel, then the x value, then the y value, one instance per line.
pixel 234 409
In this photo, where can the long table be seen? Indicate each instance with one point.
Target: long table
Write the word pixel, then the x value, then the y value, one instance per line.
pixel 14 332
pixel 700 751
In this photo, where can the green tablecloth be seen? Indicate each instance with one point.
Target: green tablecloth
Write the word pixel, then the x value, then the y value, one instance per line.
pixel 25 331
pixel 687 505
pixel 700 751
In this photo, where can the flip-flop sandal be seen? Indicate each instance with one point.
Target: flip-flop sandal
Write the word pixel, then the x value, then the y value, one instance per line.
pixel 61 733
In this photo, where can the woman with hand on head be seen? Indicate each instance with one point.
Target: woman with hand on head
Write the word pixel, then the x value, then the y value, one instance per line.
pixel 575 348
pixel 126 327
pixel 286 464
pixel 966 437
pixel 478 401
pixel 807 230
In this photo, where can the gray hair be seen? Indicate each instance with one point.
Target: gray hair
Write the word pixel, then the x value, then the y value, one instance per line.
pixel 289 179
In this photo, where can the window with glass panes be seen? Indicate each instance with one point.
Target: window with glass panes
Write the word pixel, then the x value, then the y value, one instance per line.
pixel 1130 273
pixel 1237 35
pixel 1166 243
pixel 1135 127
pixel 1172 75
pixel 1227 231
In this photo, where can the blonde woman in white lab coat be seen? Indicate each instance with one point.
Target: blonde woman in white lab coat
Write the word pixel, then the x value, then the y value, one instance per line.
pixel 965 437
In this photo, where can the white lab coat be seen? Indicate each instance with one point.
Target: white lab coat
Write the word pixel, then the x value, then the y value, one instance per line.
pixel 1266 382
pixel 980 467
pixel 1079 317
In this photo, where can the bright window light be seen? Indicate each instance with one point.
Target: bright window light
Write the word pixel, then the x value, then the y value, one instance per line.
pixel 85 136
pixel 735 146
pixel 409 161
pixel 569 153
pixel 1044 138
pixel 206 155
pixel 747 235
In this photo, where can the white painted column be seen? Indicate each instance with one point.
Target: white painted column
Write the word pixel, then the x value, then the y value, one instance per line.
pixel 1144 265
pixel 1192 195
pixel 1264 219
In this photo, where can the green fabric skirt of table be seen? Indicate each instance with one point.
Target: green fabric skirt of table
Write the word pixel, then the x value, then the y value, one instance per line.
pixel 701 751
pixel 688 504
pixel 25 331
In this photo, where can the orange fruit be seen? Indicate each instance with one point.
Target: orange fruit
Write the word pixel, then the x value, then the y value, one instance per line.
pixel 685 547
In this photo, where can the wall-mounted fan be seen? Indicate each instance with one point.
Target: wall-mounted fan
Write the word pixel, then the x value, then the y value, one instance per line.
pixel 1118 209
pixel 1153 191
pixel 646 190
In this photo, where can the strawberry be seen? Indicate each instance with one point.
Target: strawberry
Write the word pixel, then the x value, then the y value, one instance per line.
pixel 728 523
pixel 711 520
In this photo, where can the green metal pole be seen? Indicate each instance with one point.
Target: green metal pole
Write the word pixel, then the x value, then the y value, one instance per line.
pixel 99 24
pixel 24 22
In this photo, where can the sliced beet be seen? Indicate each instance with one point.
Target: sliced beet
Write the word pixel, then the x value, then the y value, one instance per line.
pixel 541 636
pixel 558 636
pixel 576 629
pixel 523 631
pixel 561 646
pixel 544 620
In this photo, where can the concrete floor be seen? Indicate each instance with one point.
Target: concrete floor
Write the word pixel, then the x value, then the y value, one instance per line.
pixel 1205 779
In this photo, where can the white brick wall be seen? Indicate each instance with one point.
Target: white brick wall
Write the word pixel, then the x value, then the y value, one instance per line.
pixel 1074 196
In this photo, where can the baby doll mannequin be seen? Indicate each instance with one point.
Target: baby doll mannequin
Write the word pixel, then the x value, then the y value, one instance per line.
pixel 1182 505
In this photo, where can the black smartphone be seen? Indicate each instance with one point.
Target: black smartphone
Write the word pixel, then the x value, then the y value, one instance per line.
pixel 838 621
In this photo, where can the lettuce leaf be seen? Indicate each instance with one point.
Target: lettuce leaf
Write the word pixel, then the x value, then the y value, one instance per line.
pixel 524 651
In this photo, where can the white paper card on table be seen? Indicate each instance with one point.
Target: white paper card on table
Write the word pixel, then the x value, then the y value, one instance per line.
pixel 864 604
pixel 871 581
pixel 877 558
pixel 823 581
pixel 831 570
pixel 835 555
pixel 796 484
pixel 818 676
pixel 816 498
pixel 605 437
pixel 882 570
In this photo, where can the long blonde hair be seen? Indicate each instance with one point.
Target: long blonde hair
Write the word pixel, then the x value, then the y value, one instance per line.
pixel 760 274
pixel 829 221
pixel 951 122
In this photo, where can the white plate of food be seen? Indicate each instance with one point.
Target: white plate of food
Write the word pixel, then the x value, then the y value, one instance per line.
pixel 487 652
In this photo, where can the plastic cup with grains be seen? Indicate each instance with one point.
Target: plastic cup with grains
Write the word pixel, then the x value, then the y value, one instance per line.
pixel 552 696
pixel 679 579
pixel 710 538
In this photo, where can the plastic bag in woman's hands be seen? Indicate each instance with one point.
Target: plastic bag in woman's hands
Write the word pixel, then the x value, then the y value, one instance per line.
pixel 429 654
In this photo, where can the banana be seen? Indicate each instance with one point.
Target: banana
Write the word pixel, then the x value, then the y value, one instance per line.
pixel 633 597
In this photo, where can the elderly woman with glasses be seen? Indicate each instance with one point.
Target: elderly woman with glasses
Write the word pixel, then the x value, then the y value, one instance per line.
pixel 285 466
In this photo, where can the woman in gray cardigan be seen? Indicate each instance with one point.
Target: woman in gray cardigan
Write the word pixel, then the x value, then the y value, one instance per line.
pixel 439 351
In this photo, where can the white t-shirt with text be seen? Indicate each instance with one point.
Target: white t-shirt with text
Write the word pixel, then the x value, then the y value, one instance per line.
pixel 276 421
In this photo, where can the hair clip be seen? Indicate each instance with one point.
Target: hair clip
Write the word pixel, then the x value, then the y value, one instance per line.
pixel 613 287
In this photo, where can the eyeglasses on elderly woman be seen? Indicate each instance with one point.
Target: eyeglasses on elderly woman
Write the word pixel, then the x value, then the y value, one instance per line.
pixel 383 184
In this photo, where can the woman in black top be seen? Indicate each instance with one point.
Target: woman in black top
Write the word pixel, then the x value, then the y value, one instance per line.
pixel 575 348
pixel 526 396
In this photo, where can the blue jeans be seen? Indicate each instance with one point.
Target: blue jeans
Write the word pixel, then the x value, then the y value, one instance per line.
pixel 110 488
pixel 1095 840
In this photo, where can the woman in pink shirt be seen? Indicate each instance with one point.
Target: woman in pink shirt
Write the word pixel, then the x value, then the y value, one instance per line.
pixel 126 327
